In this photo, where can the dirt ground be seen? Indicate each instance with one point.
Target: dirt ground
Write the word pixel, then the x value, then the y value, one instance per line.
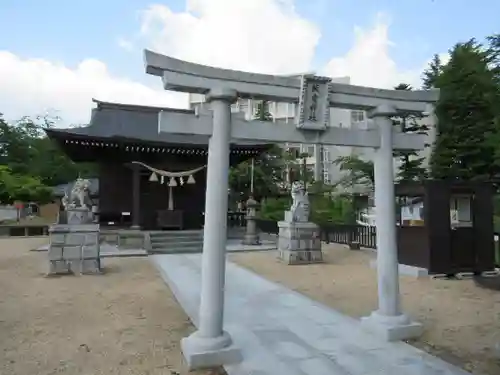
pixel 462 321
pixel 123 322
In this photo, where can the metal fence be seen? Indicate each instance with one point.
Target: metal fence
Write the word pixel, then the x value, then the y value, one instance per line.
pixel 23 230
pixel 364 236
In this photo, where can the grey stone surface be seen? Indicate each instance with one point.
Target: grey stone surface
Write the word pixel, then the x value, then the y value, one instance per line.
pixel 58 267
pixel 76 216
pixel 74 248
pixel 280 331
pixel 407 270
pixel 201 352
pixel 299 243
pixel 401 329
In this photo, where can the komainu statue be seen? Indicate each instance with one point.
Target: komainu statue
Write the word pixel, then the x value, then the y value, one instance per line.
pixel 300 202
pixel 78 196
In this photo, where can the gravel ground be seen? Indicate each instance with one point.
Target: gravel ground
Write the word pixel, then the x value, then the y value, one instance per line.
pixel 123 322
pixel 462 321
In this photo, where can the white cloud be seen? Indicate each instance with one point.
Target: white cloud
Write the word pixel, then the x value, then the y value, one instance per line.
pixel 255 35
pixel 369 63
pixel 126 44
pixel 33 86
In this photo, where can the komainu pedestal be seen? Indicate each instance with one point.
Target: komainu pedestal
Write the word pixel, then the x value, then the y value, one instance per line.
pixel 299 241
pixel 74 243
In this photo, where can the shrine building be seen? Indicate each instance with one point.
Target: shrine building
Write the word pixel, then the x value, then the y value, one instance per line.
pixel 147 179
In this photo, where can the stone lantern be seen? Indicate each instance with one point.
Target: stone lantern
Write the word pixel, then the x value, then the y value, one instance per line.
pixel 251 236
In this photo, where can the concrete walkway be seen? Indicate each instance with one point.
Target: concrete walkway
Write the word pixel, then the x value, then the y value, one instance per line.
pixel 281 332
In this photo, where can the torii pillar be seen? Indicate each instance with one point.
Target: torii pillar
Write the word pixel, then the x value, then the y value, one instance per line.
pixel 211 345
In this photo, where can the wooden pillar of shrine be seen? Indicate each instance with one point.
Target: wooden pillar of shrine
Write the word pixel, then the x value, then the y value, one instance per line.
pixel 136 196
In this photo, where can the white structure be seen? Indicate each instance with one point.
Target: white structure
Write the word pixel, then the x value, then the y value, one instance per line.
pixel 321 157
pixel 210 345
pixel 320 164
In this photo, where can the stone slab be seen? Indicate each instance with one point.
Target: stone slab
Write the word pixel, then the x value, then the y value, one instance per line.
pixel 65 228
pixel 72 252
pixel 55 253
pixel 392 332
pixel 280 331
pixel 198 358
pixel 404 269
pixel 301 257
pixel 58 267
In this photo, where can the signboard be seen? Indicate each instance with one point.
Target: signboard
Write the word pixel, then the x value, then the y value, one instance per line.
pixel 314 105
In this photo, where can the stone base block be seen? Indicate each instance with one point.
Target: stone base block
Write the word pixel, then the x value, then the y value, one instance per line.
pixel 391 328
pixel 85 266
pixel 299 243
pixel 301 256
pixel 58 267
pixel 202 352
pixel 407 270
pixel 55 253
pixel 78 216
pixel 251 239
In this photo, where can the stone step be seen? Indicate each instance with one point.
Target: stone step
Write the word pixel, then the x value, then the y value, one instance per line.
pixel 163 244
pixel 177 232
pixel 177 250
pixel 177 236
pixel 176 239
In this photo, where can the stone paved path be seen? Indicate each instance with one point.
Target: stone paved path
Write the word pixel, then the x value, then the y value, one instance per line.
pixel 283 332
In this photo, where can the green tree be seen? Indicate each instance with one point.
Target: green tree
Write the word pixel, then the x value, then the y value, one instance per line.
pixel 358 171
pixel 467 114
pixel 270 173
pixel 26 150
pixel 14 187
pixel 411 166
pixel 432 73
pixel 263 113
pixel 270 169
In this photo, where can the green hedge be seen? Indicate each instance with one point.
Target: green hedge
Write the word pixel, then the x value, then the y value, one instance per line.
pixel 324 209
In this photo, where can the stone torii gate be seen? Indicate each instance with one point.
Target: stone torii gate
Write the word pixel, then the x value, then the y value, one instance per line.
pixel 210 345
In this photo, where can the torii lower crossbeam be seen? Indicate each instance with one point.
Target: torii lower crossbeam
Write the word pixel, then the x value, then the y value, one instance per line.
pixel 282 132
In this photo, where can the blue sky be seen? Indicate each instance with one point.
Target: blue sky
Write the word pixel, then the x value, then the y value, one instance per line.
pixel 71 31
pixel 74 30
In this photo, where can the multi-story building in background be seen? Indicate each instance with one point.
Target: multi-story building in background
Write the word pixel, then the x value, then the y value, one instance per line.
pixel 321 158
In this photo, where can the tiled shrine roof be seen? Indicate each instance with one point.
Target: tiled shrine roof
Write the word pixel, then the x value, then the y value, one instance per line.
pixel 121 122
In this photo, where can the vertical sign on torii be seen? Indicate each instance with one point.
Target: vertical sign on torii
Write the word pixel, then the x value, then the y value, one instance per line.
pixel 210 345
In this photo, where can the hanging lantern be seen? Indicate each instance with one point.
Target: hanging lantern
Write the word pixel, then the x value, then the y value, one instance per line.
pixel 162 179
pixel 172 182
pixel 153 177
pixel 181 180
pixel 191 180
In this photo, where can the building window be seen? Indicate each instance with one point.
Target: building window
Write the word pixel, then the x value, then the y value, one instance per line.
pixel 326 177
pixel 294 151
pixel 326 155
pixel 357 116
pixel 308 149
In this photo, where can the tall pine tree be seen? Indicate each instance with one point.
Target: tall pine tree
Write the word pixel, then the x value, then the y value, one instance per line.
pixel 411 166
pixel 466 112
